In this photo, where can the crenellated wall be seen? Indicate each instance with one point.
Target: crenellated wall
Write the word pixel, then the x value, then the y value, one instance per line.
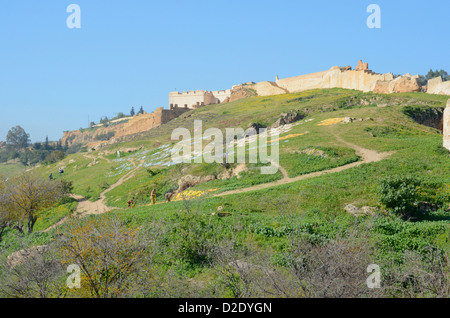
pixel 360 78
pixel 194 99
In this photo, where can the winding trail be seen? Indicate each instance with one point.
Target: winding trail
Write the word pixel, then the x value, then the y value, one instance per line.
pixel 86 207
pixel 367 156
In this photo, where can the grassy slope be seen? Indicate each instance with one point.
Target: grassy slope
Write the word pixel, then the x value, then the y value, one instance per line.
pixel 417 152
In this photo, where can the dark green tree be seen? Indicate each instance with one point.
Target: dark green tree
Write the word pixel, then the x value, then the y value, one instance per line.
pixel 46 144
pixel 423 79
pixel 132 112
pixel 17 138
pixel 141 110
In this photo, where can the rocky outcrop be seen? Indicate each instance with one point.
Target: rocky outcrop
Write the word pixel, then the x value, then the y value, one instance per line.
pixel 22 256
pixel 288 118
pixel 446 126
pixel 240 92
pixel 438 86
pixel 256 128
pixel 230 173
pixel 365 210
pixel 190 181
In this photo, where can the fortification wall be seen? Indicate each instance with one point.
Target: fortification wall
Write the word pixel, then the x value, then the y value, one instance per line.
pixel 187 99
pixel 361 79
pixel 446 129
pixel 267 89
pixel 137 124
pixel 336 77
pixel 194 99
pixel 437 86
pixel 302 82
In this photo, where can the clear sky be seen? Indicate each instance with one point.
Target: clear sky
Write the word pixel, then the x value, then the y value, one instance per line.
pixel 133 53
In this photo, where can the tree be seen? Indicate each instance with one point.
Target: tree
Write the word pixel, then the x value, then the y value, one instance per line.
pixel 46 144
pixel 132 113
pixel 141 111
pixel 110 253
pixel 17 138
pixel 104 121
pixel 54 156
pixel 27 197
pixel 59 145
pixel 5 213
pixel 433 74
pixel 423 80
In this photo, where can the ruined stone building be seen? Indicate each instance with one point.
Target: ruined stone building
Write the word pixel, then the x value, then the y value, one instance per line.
pixel 194 99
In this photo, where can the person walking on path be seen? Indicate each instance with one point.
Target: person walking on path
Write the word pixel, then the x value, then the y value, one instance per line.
pixel 168 196
pixel 153 195
pixel 131 203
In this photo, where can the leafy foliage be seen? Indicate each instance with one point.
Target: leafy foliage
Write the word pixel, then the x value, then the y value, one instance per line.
pixel 400 194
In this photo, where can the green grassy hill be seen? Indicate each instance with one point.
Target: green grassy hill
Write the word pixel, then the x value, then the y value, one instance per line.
pixel 315 205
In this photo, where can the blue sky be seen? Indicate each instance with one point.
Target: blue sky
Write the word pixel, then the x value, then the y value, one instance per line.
pixel 133 53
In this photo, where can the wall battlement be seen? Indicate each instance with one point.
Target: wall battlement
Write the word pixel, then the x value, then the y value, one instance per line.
pixel 361 78
pixel 195 99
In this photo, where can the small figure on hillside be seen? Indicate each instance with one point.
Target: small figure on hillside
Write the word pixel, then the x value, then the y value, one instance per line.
pixel 131 203
pixel 153 196
pixel 50 177
pixel 61 171
pixel 168 196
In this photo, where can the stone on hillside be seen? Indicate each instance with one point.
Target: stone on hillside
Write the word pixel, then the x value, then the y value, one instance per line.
pixel 365 210
pixel 22 256
pixel 256 127
pixel 190 181
pixel 348 120
pixel 314 152
pixel 288 118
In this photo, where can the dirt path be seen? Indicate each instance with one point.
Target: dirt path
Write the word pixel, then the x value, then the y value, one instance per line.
pixel 367 156
pixel 96 158
pixel 86 207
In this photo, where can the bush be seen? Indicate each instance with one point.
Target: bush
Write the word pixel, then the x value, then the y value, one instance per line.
pixel 400 194
pixel 54 156
pixel 105 137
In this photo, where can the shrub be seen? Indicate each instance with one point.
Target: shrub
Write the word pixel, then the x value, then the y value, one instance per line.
pixel 54 156
pixel 105 137
pixel 400 194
